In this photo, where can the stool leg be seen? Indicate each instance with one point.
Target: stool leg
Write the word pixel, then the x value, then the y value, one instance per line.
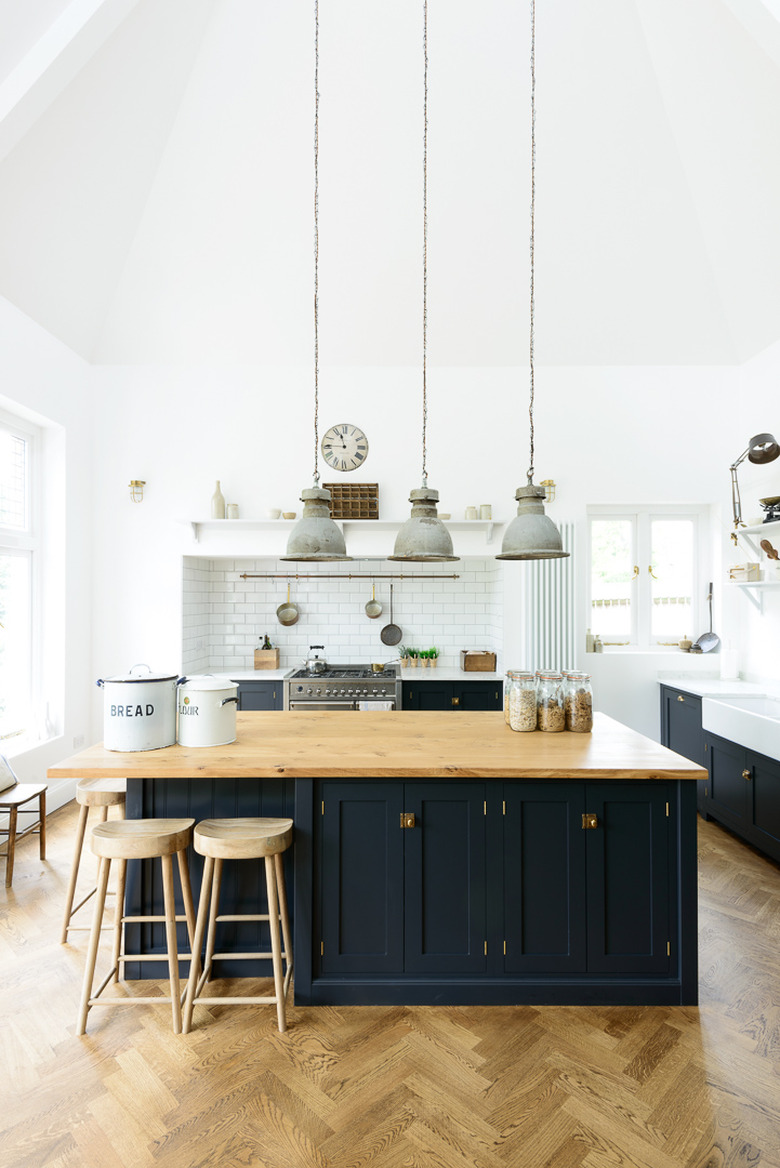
pixel 81 828
pixel 42 832
pixel 286 935
pixel 216 888
pixel 276 944
pixel 186 894
pixel 197 942
pixel 9 863
pixel 170 936
pixel 119 914
pixel 94 938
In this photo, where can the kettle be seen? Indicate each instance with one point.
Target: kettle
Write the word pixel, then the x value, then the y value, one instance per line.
pixel 315 664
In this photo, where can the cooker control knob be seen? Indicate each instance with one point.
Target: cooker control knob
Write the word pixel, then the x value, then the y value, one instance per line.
pixel 327 693
pixel 309 690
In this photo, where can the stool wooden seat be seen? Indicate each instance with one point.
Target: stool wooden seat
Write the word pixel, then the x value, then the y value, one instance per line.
pixel 101 793
pixel 241 839
pixel 134 839
pixel 13 797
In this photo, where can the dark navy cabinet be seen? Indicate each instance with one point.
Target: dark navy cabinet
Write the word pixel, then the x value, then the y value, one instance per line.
pixel 260 695
pixel 401 884
pixel 452 695
pixel 743 793
pixel 681 730
pixel 518 891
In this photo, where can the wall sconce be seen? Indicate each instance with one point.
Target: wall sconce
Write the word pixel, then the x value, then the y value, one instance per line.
pixel 137 490
pixel 549 489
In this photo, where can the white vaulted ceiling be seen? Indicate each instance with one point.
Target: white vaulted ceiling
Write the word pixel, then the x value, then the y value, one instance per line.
pixel 156 179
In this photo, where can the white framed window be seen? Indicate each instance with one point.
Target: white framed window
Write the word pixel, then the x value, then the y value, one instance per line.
pixel 647 574
pixel 19 555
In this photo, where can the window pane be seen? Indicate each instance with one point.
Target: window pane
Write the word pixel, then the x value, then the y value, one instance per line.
pixel 13 480
pixel 15 644
pixel 671 553
pixel 612 569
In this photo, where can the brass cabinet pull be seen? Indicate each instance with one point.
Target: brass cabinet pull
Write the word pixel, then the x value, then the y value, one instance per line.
pixel 680 698
pixel 456 701
pixel 589 821
pixel 407 819
pixel 746 776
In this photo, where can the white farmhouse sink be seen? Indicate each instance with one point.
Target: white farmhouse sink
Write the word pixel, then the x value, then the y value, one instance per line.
pixel 752 720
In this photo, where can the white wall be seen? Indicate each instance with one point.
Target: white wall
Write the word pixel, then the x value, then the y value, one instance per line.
pixel 46 382
pixel 604 435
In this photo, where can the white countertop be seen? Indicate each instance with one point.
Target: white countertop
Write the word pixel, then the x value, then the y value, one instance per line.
pixel 425 673
pixel 710 687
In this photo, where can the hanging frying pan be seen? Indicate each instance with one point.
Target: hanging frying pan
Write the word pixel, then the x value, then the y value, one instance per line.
pixel 391 634
pixel 373 607
pixel 287 614
pixel 710 640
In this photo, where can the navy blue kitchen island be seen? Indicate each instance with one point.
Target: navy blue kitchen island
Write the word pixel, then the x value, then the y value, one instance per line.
pixel 441 858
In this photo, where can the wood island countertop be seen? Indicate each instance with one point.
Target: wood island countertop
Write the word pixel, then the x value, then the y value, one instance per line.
pixel 394 744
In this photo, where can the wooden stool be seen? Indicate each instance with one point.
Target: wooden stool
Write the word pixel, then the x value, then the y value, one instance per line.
pixel 13 796
pixel 136 839
pixel 102 793
pixel 241 839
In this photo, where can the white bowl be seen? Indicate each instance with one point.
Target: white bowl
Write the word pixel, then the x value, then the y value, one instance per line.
pixel 273 512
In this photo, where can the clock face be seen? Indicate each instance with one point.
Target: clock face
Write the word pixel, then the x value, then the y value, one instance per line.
pixel 345 447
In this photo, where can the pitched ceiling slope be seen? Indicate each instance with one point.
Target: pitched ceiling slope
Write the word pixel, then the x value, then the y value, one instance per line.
pixel 72 190
pixel 160 209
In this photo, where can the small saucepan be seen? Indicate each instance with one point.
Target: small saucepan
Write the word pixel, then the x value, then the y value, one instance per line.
pixel 287 613
pixel 373 607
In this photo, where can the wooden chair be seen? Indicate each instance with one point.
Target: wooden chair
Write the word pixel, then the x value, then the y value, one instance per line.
pixel 13 796
pixel 102 793
pixel 134 839
pixel 241 839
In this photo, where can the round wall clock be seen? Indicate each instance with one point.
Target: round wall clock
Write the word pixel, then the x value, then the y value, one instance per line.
pixel 344 447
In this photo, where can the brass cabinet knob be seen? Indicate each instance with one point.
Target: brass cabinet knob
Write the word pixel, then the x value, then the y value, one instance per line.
pixel 456 701
pixel 746 775
pixel 680 698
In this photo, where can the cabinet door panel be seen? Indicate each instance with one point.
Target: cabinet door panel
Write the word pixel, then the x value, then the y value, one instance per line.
pixel 766 802
pixel 544 878
pixel 628 879
pixel 730 795
pixel 260 696
pixel 361 845
pixel 681 725
pixel 445 878
pixel 479 695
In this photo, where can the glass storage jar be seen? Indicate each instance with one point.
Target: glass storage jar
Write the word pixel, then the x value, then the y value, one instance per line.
pixel 578 703
pixel 549 700
pixel 522 701
pixel 507 683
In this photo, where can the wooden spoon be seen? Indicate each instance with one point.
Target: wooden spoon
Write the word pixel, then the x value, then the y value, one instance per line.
pixel 769 549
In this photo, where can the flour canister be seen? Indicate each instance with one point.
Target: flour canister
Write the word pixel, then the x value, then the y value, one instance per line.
pixel 139 709
pixel 207 710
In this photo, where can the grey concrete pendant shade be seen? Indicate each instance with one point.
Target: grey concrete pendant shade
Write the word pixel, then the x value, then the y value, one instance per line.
pixel 531 535
pixel 315 535
pixel 423 539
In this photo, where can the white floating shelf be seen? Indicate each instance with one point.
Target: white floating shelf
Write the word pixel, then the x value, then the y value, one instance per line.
pixel 202 527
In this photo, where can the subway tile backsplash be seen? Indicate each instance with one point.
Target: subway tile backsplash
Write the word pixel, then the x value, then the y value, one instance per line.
pixel 224 615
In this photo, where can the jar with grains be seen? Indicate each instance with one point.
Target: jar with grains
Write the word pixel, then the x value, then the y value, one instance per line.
pixel 522 701
pixel 507 684
pixel 549 704
pixel 578 702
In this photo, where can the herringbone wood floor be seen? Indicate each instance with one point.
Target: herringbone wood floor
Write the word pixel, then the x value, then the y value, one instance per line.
pixel 418 1087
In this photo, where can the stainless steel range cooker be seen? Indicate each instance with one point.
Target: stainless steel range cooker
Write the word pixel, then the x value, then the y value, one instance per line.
pixel 342 687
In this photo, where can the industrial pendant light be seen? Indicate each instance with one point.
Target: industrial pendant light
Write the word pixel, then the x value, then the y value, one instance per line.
pixel 424 538
pixel 532 535
pixel 315 535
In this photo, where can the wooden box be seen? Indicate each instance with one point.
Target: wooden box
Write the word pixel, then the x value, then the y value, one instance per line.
pixel 477 661
pixel 353 500
pixel 266 658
